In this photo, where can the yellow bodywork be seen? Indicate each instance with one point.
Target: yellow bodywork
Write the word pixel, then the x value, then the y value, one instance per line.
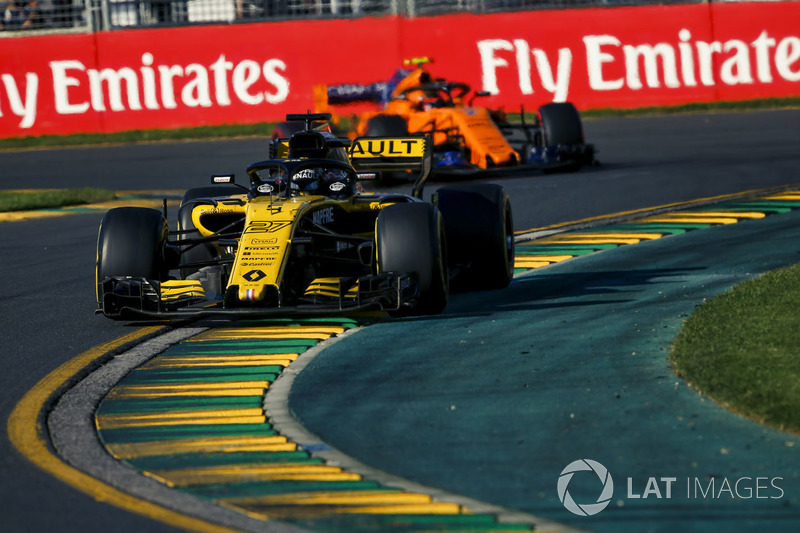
pixel 269 224
pixel 264 246
pixel 266 241
pixel 330 287
pixel 179 289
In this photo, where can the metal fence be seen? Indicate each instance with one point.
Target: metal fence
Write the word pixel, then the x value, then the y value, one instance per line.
pixel 50 16
pixel 32 15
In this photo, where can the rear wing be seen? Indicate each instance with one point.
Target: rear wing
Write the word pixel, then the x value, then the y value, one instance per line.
pixel 345 94
pixel 394 153
pixel 315 139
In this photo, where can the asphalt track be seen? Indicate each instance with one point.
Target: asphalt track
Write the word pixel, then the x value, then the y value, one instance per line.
pixel 47 303
pixel 646 161
pixel 507 388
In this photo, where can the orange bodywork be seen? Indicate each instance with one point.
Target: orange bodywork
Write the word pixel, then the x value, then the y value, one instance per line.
pixel 454 124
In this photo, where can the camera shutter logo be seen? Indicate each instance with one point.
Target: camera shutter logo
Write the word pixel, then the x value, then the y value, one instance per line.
pixel 589 509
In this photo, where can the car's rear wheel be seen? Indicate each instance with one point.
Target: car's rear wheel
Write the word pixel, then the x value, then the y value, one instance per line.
pixel 131 242
pixel 387 126
pixel 410 238
pixel 202 252
pixel 480 234
pixel 284 130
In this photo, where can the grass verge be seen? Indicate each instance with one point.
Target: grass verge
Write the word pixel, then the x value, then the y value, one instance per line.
pixel 713 107
pixel 741 349
pixel 25 200
pixel 225 131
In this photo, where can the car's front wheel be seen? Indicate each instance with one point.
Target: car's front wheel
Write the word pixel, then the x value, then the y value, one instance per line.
pixel 561 125
pixel 131 242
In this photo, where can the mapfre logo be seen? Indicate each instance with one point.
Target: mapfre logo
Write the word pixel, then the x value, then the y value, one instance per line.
pixel 606 492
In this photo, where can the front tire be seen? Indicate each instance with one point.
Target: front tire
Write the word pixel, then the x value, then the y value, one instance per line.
pixel 131 242
pixel 409 239
pixel 561 124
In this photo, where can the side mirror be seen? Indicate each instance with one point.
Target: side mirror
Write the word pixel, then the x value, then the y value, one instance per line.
pixel 368 176
pixel 478 94
pixel 223 178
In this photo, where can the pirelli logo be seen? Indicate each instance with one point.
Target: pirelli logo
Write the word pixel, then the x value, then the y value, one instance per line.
pixel 388 147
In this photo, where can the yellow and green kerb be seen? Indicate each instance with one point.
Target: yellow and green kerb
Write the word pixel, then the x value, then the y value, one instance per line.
pixel 193 419
pixel 559 247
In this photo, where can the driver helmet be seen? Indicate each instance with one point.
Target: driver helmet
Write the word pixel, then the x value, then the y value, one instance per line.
pixel 336 183
pixel 425 99
pixel 306 180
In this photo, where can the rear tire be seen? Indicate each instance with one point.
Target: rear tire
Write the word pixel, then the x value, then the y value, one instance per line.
pixel 480 234
pixel 284 130
pixel 410 238
pixel 131 242
pixel 387 126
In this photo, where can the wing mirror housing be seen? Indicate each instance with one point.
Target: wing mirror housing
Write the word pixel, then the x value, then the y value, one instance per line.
pixel 223 179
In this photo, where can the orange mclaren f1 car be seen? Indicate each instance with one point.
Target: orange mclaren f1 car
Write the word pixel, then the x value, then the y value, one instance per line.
pixel 466 138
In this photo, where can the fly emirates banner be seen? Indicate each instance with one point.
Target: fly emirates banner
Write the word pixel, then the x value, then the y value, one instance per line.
pixel 623 57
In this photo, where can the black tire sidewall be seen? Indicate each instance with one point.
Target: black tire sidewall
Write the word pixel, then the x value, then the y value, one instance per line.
pixel 561 124
pixel 480 236
pixel 284 130
pixel 409 238
pixel 131 242
pixel 387 126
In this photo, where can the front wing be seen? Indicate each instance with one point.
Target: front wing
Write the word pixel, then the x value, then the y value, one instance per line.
pixel 127 298
pixel 538 158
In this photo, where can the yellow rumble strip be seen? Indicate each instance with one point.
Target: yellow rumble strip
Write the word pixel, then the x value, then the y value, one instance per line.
pixel 193 418
pixel 206 445
pixel 253 472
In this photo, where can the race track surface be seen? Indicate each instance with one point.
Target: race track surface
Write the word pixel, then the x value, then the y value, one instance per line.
pixel 509 387
pixel 48 303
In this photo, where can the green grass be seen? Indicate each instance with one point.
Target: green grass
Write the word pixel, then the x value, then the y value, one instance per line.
pixel 264 129
pixel 139 136
pixel 48 198
pixel 742 349
pixel 746 105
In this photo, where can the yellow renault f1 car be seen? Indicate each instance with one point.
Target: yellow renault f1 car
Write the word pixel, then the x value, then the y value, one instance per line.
pixel 467 139
pixel 302 237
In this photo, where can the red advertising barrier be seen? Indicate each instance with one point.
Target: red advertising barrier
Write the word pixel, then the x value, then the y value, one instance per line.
pixel 206 75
